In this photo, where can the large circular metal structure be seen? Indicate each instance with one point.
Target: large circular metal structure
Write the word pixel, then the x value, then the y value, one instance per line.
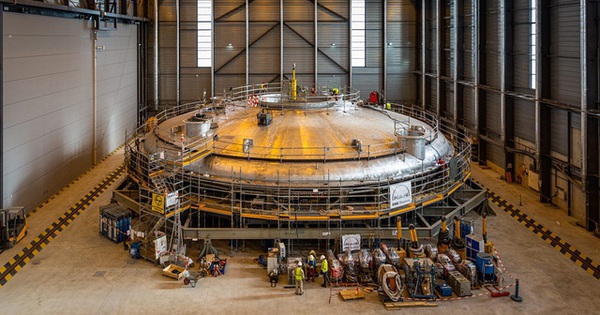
pixel 257 154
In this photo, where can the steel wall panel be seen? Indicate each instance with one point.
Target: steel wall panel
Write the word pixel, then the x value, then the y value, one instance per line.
pixel 401 58
pixel 366 83
pixel 48 129
pixel 493 123
pixel 491 46
pixel 298 10
pixel 565 71
pixel 469 108
pixel 264 10
pixel 522 45
pixel 495 154
pixel 220 8
pixel 524 121
pixel 559 132
pixel 327 6
pixel 116 87
pixel 188 10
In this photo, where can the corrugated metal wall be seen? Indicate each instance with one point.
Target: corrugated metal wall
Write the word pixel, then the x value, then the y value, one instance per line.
pixel 264 53
pixel 167 66
pixel 194 81
pixel 370 78
pixel 265 37
pixel 116 87
pixel 401 54
pixel 559 85
pixel 48 79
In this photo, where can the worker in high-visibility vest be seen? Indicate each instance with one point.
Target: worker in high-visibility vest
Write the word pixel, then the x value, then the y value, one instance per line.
pixel 324 270
pixel 388 106
pixel 299 277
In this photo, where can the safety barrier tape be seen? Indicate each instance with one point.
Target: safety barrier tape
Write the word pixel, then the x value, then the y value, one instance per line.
pixel 19 261
pixel 56 194
pixel 548 236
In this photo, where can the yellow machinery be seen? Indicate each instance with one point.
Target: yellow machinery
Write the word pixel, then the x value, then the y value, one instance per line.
pixel 294 83
pixel 13 226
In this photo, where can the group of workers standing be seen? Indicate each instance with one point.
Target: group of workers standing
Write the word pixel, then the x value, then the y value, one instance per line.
pixel 311 270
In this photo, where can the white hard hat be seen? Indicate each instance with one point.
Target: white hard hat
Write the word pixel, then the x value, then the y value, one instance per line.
pixel 311 257
pixel 322 257
pixel 299 263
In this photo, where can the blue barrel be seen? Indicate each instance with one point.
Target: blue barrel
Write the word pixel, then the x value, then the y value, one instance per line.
pixel 483 263
pixel 466 228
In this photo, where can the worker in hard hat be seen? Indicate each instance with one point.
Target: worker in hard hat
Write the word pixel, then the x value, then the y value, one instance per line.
pixel 311 267
pixel 335 92
pixel 299 277
pixel 388 106
pixel 324 270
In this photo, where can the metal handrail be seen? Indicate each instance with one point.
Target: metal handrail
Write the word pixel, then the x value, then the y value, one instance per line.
pixel 424 185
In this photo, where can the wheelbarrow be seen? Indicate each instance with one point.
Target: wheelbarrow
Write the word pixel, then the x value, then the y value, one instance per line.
pixel 191 278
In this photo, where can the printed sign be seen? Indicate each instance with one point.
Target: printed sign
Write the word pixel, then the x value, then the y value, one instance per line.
pixel 158 203
pixel 160 246
pixel 400 194
pixel 350 242
pixel 172 199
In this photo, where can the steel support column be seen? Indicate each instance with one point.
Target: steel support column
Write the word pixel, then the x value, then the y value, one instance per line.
pixel 424 54
pixel 155 61
pixel 507 79
pixel 281 42
pixel 178 49
pixel 349 43
pixel 384 48
pixel 2 103
pixel 316 51
pixel 247 43
pixel 589 51
pixel 439 49
pixel 480 23
pixel 542 112
pixel 457 70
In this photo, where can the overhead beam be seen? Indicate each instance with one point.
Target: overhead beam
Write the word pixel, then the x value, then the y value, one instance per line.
pixel 330 11
pixel 233 11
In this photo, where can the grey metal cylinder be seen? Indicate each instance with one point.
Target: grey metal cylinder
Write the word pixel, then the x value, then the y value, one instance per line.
pixel 197 127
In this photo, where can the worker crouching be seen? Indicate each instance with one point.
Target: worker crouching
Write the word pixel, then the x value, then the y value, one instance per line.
pixel 299 277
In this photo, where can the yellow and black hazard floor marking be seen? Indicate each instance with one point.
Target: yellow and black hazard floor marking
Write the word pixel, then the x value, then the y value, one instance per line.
pixel 554 240
pixel 15 264
pixel 56 194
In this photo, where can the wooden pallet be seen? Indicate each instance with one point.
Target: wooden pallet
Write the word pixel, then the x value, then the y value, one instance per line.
pixel 351 294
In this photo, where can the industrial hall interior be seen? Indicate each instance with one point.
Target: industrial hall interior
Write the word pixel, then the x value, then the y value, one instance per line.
pixel 299 156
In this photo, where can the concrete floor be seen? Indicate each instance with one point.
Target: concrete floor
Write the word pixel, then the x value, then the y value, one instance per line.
pixel 61 278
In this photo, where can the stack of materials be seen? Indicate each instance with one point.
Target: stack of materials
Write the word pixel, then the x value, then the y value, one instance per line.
pixel 459 284
pixel 114 223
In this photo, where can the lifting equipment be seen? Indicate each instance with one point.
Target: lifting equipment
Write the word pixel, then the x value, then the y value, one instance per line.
pixel 13 226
